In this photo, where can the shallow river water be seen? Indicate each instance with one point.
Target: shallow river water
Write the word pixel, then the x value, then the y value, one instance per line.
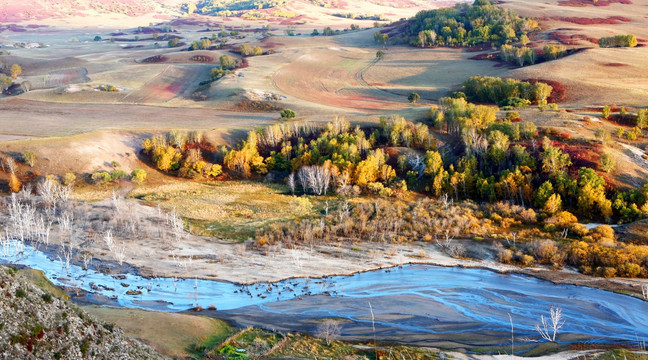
pixel 409 302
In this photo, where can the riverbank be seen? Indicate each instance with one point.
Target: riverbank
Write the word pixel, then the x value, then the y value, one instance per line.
pixel 453 308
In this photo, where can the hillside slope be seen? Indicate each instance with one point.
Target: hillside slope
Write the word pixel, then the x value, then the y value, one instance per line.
pixel 36 325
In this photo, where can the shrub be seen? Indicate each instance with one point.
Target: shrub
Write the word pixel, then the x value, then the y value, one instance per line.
pixel 227 62
pixel 47 297
pixel 69 178
pixel 29 157
pixel 579 230
pixel 138 176
pixel 21 293
pixel 606 111
pixel 504 255
pixel 288 114
pixel 459 95
pixel 413 97
pixel 214 171
pixel 118 175
pixel 109 88
pixel 495 90
pixel 301 205
pixel 246 50
pixel 101 178
pixel 513 102
pixel 607 163
pixel 618 41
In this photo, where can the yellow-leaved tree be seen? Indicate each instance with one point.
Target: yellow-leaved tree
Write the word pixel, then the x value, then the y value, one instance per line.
pixel 247 160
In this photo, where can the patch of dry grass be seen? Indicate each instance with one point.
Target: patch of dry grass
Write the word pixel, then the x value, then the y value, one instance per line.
pixel 171 334
pixel 232 209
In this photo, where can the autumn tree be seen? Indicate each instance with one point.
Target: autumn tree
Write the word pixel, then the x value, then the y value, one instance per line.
pixel 247 159
pixel 553 204
pixel 227 62
pixel 166 158
pixel 138 176
pixel 602 135
pixel 607 163
pixel 605 112
pixel 15 71
pixel 288 114
pixel 554 161
pixel 246 50
pixel 14 183
pixel 5 82
pixel 381 38
pixel 413 97
pixel 29 157
pixel 591 193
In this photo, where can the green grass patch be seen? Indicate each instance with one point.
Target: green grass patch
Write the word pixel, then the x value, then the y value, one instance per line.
pixel 622 354
pixel 38 278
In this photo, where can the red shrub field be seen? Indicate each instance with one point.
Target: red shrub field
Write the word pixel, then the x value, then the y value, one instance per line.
pixel 583 3
pixel 202 59
pixel 156 59
pixel 611 20
pixel 558 92
pixel 571 39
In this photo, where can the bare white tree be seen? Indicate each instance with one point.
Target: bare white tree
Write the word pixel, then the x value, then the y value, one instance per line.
pixel 302 177
pixel 10 163
pixel 177 225
pixel 51 191
pixel 46 189
pixel 644 291
pixel 290 180
pixel 66 251
pixel 328 330
pixel 120 254
pixel 548 330
pixel 108 239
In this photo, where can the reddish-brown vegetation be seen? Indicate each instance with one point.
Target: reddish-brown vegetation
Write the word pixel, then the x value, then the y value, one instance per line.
pixel 558 92
pixel 155 59
pixel 570 39
pixel 257 106
pixel 582 155
pixel 583 3
pixel 611 20
pixel 628 120
pixel 202 58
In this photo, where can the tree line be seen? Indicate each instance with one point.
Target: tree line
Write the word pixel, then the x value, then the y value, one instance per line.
pixel 468 25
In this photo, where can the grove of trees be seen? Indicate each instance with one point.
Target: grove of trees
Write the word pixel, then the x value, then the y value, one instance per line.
pixel 468 25
pixel 618 41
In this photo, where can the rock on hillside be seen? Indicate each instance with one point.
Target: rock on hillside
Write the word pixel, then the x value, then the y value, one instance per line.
pixel 36 325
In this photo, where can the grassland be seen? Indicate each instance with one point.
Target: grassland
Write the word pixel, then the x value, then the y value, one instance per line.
pixel 174 335
pixel 232 210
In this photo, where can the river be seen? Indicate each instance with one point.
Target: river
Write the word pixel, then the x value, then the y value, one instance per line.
pixel 419 304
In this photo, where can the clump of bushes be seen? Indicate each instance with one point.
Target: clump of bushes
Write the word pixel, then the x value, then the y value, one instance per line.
pixel 618 41
pixel 495 90
pixel 288 114
pixel 181 153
